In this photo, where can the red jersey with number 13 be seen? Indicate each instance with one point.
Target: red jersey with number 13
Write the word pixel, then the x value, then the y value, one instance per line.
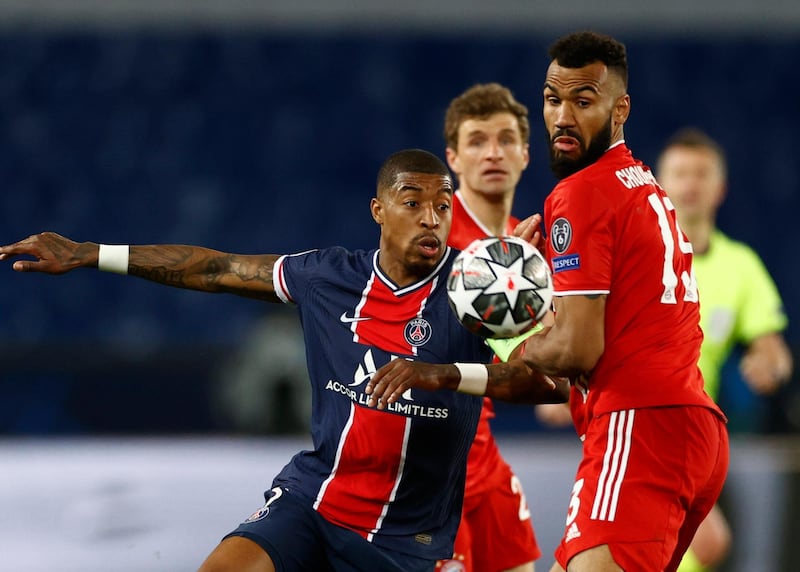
pixel 612 230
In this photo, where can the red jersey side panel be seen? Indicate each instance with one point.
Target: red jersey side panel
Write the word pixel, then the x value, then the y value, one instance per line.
pixel 368 432
pixel 393 332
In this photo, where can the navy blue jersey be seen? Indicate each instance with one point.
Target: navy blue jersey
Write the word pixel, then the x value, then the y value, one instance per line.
pixel 394 476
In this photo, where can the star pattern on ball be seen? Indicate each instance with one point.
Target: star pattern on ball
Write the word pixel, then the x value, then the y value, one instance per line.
pixel 499 287
pixel 480 249
pixel 509 280
pixel 463 298
pixel 509 327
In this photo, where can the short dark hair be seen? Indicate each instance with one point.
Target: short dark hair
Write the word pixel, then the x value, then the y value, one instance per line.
pixel 580 49
pixel 694 138
pixel 409 161
pixel 482 100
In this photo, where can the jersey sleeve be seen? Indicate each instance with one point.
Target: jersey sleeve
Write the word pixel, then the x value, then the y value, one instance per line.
pixel 761 309
pixel 292 273
pixel 580 242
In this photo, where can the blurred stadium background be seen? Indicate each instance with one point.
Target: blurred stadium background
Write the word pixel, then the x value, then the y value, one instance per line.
pixel 259 127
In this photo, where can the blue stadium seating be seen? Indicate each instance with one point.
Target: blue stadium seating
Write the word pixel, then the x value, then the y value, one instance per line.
pixel 255 142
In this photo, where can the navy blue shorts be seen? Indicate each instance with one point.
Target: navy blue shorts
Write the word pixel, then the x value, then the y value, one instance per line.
pixel 298 539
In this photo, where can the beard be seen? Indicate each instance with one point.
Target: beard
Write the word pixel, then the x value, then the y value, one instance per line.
pixel 563 166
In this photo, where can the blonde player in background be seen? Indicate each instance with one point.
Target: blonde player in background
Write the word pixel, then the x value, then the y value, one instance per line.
pixel 486 132
pixel 739 303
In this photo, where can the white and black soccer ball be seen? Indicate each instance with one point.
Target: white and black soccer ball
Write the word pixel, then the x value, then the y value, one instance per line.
pixel 500 287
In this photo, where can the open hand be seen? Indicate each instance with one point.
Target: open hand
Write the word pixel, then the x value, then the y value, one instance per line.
pixel 529 229
pixel 399 375
pixel 53 253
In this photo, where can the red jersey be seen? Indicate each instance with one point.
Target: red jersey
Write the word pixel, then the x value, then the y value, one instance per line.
pixel 466 227
pixel 613 231
pixel 484 456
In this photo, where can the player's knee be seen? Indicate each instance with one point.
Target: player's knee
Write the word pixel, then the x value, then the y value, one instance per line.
pixel 714 551
pixel 713 539
pixel 722 546
pixel 237 554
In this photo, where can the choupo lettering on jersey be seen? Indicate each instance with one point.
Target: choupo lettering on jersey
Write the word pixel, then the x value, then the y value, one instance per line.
pixel 635 176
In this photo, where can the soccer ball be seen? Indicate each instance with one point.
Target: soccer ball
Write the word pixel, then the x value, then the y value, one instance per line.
pixel 500 287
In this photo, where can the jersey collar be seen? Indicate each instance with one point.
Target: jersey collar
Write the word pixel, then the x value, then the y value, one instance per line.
pixel 414 286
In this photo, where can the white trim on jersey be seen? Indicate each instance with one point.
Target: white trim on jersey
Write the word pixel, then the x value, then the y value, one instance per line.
pixel 411 287
pixel 342 439
pixel 620 142
pixel 415 349
pixel 615 463
pixel 463 202
pixel 279 282
pixel 360 305
pixel 579 292
pixel 397 480
pixel 425 300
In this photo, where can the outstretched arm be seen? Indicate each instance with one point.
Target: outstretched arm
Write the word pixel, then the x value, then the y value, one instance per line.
pixel 180 266
pixel 576 341
pixel 512 381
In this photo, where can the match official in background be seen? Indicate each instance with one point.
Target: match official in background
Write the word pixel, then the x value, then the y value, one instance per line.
pixel 739 302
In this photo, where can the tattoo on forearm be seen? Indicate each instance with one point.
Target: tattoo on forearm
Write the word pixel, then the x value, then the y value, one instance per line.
pixel 514 381
pixel 251 272
pixel 164 264
pixel 203 269
pixel 158 274
pixel 503 374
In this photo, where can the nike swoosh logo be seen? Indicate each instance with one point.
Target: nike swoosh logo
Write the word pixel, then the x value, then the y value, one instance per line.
pixel 345 319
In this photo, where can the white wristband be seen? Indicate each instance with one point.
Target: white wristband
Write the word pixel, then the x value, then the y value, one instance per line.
pixel 474 378
pixel 113 258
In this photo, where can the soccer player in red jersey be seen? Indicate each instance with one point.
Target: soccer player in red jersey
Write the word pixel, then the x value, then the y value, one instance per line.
pixel 626 331
pixel 380 491
pixel 486 131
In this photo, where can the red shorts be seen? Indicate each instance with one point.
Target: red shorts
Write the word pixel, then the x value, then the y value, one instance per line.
pixel 647 479
pixel 496 531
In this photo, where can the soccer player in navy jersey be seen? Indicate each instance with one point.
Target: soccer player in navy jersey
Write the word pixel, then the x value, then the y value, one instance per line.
pixel 381 490
pixel 655 446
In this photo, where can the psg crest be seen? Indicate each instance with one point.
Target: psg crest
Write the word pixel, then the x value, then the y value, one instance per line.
pixel 417 332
